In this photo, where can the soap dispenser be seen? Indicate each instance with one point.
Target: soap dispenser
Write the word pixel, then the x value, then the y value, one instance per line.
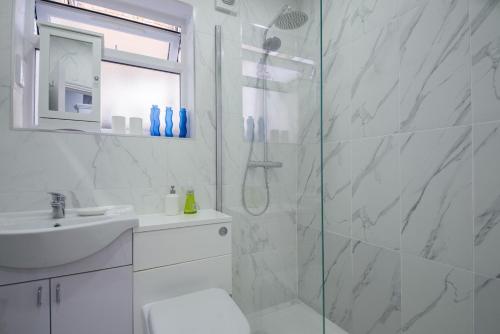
pixel 172 203
pixel 190 207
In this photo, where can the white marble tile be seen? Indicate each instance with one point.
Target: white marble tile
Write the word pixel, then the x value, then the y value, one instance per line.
pixel 337 271
pixel 436 197
pixel 310 274
pixel 376 291
pixel 371 14
pixel 5 42
pixel 376 191
pixel 435 298
pixel 41 161
pixel 485 49
pixel 309 118
pixel 487 199
pixel 435 65
pixel 338 280
pixel 337 95
pixel 337 16
pixel 337 187
pixel 264 279
pixel 5 108
pixel 271 232
pixel 486 305
pixel 309 186
pixel 374 90
pixel 126 162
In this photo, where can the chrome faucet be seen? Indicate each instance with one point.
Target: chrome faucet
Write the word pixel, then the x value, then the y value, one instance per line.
pixel 58 205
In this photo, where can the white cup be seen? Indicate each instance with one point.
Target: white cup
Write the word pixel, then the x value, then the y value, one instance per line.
pixel 118 124
pixel 135 124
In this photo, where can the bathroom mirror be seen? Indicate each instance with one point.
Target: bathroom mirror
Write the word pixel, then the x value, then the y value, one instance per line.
pixel 70 75
pixel 70 70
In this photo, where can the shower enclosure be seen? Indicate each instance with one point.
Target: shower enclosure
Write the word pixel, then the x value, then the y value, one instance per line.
pixel 269 162
pixel 358 155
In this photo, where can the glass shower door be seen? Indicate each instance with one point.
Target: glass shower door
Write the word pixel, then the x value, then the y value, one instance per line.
pixel 270 175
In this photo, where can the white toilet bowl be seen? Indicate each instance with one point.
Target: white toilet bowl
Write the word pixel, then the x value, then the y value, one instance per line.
pixel 209 311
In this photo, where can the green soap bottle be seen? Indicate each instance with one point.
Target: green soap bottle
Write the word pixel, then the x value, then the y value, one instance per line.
pixel 190 206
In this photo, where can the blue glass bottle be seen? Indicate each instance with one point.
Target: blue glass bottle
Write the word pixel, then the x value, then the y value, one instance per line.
pixel 155 121
pixel 183 123
pixel 169 124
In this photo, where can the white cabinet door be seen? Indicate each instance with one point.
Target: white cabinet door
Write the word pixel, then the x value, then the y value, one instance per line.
pixel 98 302
pixel 25 308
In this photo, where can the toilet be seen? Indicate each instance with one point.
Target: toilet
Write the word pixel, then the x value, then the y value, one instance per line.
pixel 181 289
pixel 210 311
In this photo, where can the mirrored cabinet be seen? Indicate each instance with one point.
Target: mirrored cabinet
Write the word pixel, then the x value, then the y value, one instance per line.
pixel 70 78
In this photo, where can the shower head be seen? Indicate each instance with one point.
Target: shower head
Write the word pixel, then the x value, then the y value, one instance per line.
pixel 272 44
pixel 289 19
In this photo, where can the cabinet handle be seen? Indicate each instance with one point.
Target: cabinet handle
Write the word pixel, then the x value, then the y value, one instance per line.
pixel 39 296
pixel 58 293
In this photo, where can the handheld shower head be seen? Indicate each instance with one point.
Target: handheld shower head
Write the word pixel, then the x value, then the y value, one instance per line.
pixel 272 44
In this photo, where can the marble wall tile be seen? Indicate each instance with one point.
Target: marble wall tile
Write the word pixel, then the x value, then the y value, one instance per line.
pixel 376 191
pixel 310 272
pixel 309 117
pixel 309 185
pixel 338 280
pixel 435 65
pixel 485 45
pixel 435 298
pixel 486 305
pixel 376 290
pixel 338 274
pixel 337 187
pixel 5 42
pixel 337 29
pixel 436 198
pixel 336 95
pixel 126 162
pixel 5 108
pixel 272 232
pixel 487 199
pixel 369 15
pixel 264 279
pixel 374 90
pixel 41 161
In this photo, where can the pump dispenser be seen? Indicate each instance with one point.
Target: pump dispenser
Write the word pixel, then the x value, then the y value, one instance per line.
pixel 172 203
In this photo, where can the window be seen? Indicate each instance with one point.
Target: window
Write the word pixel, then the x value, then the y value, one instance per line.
pixel 142 87
pixel 141 58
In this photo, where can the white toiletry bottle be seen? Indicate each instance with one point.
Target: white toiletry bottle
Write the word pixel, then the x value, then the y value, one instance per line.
pixel 172 203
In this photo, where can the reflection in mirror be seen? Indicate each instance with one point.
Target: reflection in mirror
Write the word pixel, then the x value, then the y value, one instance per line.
pixel 70 75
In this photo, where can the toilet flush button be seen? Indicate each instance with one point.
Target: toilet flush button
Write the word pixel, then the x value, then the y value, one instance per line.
pixel 223 231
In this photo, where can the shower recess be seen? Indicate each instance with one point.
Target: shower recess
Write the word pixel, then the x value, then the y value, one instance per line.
pixel 287 19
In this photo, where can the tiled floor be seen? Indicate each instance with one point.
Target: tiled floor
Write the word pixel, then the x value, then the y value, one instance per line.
pixel 291 318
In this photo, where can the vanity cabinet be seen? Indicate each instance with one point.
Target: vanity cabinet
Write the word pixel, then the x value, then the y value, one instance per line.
pixel 96 302
pixel 25 308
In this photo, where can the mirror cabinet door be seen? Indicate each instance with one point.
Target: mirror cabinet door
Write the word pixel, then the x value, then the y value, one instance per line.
pixel 69 75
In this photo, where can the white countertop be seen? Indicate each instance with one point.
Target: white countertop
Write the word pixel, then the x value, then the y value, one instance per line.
pixel 160 221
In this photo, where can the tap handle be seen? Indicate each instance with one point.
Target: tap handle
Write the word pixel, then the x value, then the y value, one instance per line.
pixel 57 197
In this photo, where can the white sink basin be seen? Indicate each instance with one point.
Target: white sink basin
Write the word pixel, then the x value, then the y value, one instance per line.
pixel 30 240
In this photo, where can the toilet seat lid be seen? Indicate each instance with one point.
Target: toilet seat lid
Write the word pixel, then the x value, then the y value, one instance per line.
pixel 205 312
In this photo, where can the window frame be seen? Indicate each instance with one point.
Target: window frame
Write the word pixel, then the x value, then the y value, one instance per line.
pixel 128 58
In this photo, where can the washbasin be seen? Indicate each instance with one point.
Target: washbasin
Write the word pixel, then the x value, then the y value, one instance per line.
pixel 31 240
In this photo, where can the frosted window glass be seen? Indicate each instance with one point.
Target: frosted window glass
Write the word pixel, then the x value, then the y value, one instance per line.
pixel 123 41
pixel 130 91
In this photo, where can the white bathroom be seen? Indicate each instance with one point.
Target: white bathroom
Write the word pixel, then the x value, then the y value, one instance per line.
pixel 249 166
